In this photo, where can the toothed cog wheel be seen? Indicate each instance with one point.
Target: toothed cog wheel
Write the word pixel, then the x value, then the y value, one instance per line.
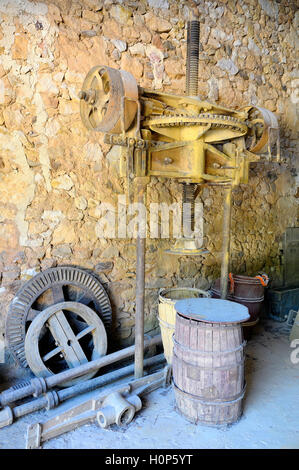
pixel 51 287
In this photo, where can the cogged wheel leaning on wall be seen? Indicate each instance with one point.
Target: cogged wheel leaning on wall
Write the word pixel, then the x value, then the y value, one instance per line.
pixel 50 287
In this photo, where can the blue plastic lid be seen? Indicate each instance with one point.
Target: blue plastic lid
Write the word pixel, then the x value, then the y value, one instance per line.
pixel 212 310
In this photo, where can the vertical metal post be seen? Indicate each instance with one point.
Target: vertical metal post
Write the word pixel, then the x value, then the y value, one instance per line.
pixel 140 284
pixel 226 241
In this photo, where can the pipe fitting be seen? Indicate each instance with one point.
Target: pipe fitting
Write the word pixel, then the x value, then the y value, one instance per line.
pixel 135 400
pixel 52 400
pixel 39 386
pixel 118 410
pixel 6 417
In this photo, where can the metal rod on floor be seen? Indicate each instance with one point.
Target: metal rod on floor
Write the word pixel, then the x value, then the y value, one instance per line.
pixel 140 285
pixel 53 399
pixel 39 385
pixel 226 241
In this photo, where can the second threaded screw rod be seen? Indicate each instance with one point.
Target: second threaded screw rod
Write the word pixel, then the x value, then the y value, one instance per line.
pixel 188 211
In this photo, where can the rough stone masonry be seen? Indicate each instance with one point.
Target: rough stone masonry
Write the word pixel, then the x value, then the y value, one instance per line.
pixel 54 173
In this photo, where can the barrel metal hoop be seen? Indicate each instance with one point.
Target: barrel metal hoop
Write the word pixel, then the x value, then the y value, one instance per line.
pixel 216 402
pixel 208 353
pixel 250 323
pixel 226 367
pixel 250 300
pixel 167 300
pixel 165 324
pixel 219 326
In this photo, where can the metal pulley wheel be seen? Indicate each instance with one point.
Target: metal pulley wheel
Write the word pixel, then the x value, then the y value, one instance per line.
pixel 50 287
pixel 108 100
pixel 263 129
pixel 68 329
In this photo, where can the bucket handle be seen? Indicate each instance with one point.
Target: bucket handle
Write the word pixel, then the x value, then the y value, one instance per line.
pixel 263 278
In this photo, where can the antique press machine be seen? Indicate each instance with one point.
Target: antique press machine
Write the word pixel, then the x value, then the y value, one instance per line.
pixel 176 136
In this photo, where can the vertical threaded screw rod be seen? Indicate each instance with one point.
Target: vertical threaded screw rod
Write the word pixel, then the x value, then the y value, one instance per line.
pixel 188 212
pixel 191 90
pixel 192 58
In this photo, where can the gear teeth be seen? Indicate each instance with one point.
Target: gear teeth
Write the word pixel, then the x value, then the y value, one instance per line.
pixel 29 293
pixel 222 121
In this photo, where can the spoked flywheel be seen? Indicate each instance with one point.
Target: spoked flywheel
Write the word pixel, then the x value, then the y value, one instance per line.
pixel 68 330
pixel 108 99
pixel 53 286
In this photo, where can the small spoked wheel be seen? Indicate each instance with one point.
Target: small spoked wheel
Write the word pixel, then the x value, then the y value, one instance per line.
pixel 64 336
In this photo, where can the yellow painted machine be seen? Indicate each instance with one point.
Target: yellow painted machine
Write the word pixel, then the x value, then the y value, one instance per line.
pixel 182 137
pixel 174 136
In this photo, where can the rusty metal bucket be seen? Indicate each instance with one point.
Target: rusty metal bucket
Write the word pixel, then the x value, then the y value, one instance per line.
pixel 247 291
pixel 247 287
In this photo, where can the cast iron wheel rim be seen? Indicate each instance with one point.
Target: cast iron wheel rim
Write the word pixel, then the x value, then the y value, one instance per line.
pixel 55 279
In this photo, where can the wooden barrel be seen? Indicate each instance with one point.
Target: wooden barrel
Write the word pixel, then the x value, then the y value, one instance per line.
pixel 208 360
pixel 167 313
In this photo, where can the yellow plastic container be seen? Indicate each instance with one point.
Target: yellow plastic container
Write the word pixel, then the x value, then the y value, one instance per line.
pixel 167 313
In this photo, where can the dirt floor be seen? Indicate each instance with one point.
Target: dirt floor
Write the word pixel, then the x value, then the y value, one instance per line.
pixel 270 419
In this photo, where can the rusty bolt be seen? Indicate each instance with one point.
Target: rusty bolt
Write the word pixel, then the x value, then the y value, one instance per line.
pixel 82 95
pixel 88 96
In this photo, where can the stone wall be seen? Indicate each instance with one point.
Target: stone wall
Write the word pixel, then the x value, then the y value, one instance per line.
pixel 54 173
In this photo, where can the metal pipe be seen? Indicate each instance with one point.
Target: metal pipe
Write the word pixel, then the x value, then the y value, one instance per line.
pixel 39 385
pixel 82 387
pixel 226 241
pixel 140 286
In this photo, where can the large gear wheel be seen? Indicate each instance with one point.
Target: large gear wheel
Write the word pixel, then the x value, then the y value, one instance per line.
pixel 210 126
pixel 50 287
pixel 215 120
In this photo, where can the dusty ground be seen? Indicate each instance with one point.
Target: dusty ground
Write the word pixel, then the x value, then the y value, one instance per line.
pixel 270 419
